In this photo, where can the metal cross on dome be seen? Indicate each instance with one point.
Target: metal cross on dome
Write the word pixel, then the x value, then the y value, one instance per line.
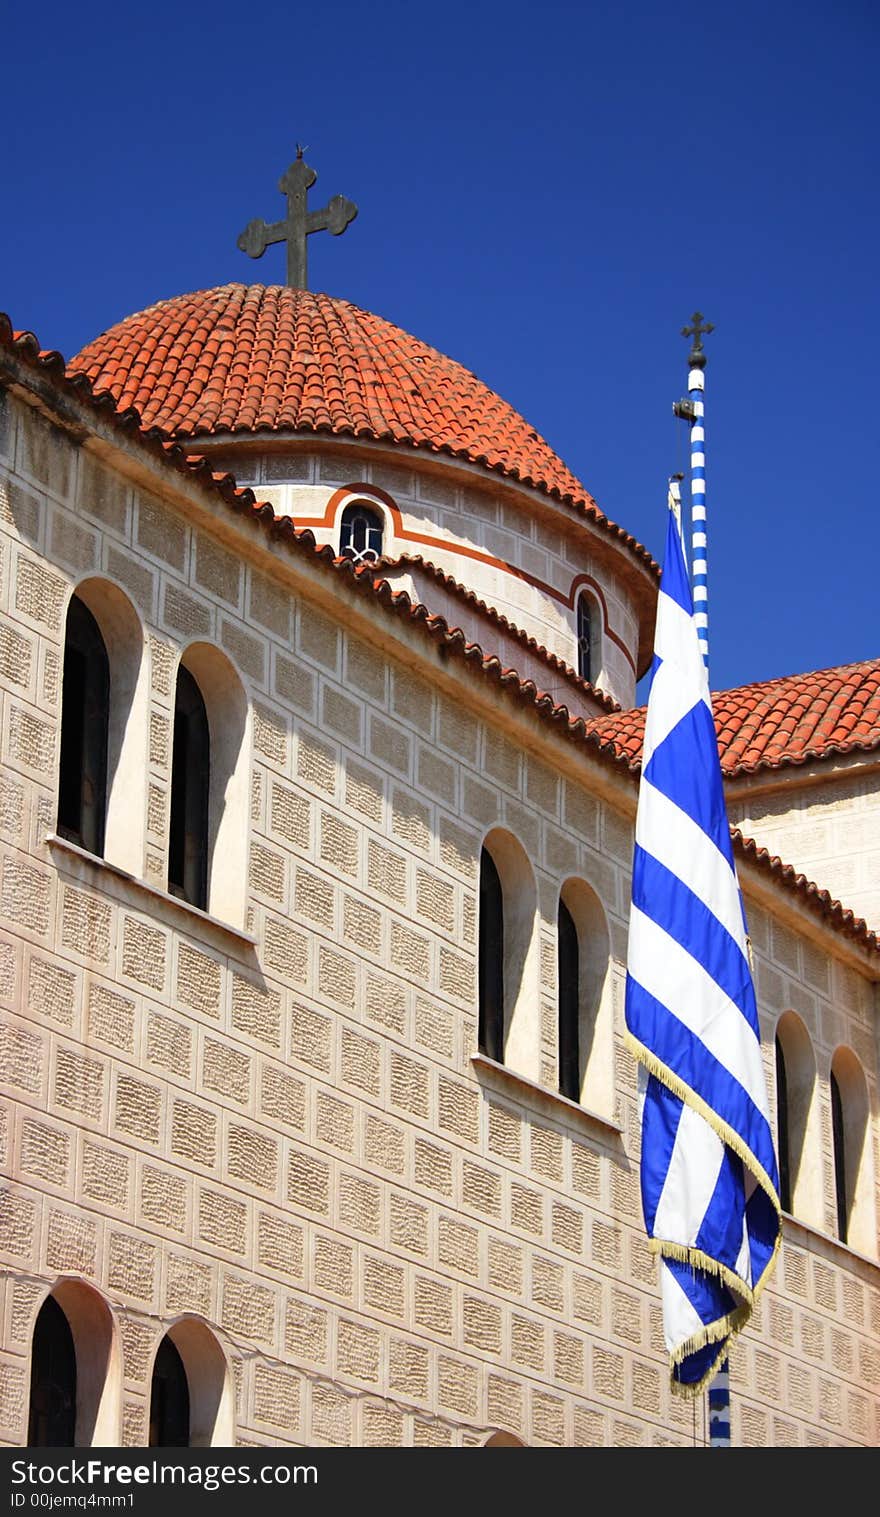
pixel 295 183
pixel 698 331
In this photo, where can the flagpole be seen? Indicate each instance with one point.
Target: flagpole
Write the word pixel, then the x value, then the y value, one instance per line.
pixel 693 411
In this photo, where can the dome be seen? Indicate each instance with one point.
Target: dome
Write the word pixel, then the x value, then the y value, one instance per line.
pixel 245 359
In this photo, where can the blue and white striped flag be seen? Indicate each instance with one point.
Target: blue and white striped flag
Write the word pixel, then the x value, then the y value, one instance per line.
pixel 708 1167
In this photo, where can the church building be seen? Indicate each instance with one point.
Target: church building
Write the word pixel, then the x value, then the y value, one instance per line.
pixel 320 762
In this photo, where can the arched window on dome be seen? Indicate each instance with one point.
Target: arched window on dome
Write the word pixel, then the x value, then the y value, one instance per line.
pixel 588 654
pixel 360 533
pixel 85 719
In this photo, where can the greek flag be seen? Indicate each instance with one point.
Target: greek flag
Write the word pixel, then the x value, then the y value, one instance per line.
pixel 708 1167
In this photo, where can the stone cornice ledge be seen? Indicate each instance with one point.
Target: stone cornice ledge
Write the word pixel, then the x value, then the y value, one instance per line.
pixel 130 891
pixel 530 1094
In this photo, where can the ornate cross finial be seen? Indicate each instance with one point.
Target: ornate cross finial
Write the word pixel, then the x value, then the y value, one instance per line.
pixel 299 223
pixel 696 356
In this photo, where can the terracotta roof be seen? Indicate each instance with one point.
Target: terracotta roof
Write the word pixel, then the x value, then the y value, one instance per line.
pixel 826 713
pixel 588 734
pixel 266 358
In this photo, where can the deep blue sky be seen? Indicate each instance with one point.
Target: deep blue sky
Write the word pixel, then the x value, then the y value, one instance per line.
pixel 546 192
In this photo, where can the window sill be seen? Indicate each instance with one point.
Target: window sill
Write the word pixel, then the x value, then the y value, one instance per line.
pixel 128 889
pixel 791 1224
pixel 499 1077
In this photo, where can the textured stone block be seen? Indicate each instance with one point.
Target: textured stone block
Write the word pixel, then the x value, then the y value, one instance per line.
pixel 188 1285
pixel 457 1385
pixel 164 1198
pixel 252 1158
pixel 105 1175
pixel 131 1265
pixel 305 1331
pixel 359 1205
pixel 25 895
pixel 79 1083
pixel 45 1152
pixel 308 1182
pixel 223 1221
pixel 18 1221
pixel 384 1145
pixel 277 1398
pixel 279 1245
pixel 310 1037
pixel 138 1108
pixel 282 1097
pixel 333 1266
pixel 286 951
pixel 194 1133
pixel 256 1011
pixel 248 1310
pixel 226 1070
pixel 357 1350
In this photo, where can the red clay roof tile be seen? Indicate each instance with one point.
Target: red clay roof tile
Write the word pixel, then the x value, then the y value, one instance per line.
pixel 823 714
pixel 244 358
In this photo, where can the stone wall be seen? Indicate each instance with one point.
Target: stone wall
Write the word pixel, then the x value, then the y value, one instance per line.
pixel 279 1127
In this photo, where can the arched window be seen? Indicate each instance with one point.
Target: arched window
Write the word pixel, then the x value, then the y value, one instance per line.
pixel 76 1371
pixel 782 1135
pixel 798 1136
pixel 169 1399
pixel 210 786
pixel 509 1021
pixel 190 782
pixel 585 1011
pixel 568 982
pixel 491 955
pixel 85 714
pixel 192 1397
pixel 854 1196
pixel 838 1138
pixel 587 638
pixel 52 1413
pixel 360 533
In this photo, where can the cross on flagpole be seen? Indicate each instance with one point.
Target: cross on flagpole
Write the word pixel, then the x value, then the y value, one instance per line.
pixel 299 223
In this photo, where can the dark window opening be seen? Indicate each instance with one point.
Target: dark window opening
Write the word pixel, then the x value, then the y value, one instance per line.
pixel 491 955
pixel 839 1159
pixel 169 1400
pixel 360 534
pixel 52 1418
pixel 190 774
pixel 782 1130
pixel 568 968
pixel 85 710
pixel 585 637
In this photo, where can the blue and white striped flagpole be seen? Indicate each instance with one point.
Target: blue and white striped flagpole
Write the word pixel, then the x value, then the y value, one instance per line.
pixel 719 1390
pixel 699 543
